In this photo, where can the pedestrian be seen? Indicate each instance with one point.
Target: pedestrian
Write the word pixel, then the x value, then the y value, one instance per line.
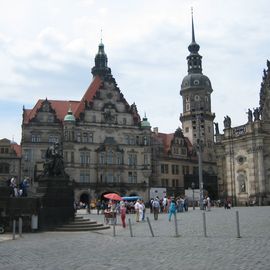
pixel 137 208
pixel 123 211
pixel 143 212
pixel 208 203
pixel 172 209
pixel 156 208
pixel 13 186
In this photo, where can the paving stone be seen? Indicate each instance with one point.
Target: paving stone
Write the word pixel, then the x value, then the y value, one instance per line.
pixel 221 249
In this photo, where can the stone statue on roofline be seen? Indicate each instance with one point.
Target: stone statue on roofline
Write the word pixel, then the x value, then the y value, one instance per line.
pixel 250 116
pixel 256 114
pixel 227 122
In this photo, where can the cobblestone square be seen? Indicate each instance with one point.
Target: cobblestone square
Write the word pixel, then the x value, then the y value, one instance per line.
pixel 221 249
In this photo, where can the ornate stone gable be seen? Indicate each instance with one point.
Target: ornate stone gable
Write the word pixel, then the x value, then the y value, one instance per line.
pixel 45 114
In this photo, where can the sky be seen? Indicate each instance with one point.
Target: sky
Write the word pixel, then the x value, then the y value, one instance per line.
pixel 47 50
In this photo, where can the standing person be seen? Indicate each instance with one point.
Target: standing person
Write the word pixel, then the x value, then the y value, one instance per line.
pixel 13 185
pixel 172 209
pixel 156 208
pixel 208 203
pixel 123 211
pixel 142 214
pixel 137 208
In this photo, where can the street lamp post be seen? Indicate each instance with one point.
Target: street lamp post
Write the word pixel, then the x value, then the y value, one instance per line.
pixel 199 153
pixel 193 186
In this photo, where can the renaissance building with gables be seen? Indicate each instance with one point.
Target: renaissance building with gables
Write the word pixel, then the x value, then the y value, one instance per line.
pixel 106 144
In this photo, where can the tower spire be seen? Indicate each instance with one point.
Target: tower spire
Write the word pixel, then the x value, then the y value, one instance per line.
pixel 193 34
pixel 194 59
pixel 101 61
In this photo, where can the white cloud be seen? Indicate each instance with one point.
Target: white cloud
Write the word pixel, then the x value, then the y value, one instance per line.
pixel 48 49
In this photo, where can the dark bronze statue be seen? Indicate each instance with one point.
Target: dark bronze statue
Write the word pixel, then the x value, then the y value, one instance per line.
pixel 54 164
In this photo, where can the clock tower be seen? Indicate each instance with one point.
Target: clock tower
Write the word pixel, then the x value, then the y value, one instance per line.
pixel 197 118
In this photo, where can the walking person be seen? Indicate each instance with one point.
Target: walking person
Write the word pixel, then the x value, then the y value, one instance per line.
pixel 137 208
pixel 143 207
pixel 156 208
pixel 123 211
pixel 172 209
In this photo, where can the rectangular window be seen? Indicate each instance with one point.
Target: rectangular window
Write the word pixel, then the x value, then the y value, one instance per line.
pixel 132 177
pixel 84 177
pixel 175 169
pixel 110 157
pixel 132 159
pixel 185 170
pixel 53 138
pixel 119 159
pixel 164 168
pixel 101 158
pixel 35 138
pixel 84 158
pixel 27 155
pixel 78 136
pixel 164 182
pixel 145 161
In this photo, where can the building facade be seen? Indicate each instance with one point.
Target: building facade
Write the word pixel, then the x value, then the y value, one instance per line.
pixel 243 154
pixel 106 146
pixel 10 161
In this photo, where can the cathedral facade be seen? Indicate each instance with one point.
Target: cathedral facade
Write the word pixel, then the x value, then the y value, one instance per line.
pixel 243 154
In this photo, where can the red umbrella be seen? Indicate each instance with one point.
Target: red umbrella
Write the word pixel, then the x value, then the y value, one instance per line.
pixel 113 196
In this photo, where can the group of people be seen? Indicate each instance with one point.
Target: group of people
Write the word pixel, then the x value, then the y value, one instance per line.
pixel 165 205
pixel 18 190
pixel 207 203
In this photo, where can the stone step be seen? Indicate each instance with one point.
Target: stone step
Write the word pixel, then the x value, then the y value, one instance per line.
pixel 81 220
pixel 93 223
pixel 63 229
pixel 81 224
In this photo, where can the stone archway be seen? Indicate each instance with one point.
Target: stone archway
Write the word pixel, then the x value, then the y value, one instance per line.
pixel 84 198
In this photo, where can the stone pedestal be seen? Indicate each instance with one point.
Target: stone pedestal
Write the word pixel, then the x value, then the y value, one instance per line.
pixel 56 198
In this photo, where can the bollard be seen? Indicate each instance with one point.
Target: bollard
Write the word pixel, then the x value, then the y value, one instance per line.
pixel 150 227
pixel 20 226
pixel 114 228
pixel 130 228
pixel 237 225
pixel 176 226
pixel 204 224
pixel 14 229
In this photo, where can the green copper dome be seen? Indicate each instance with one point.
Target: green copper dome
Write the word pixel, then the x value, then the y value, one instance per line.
pixel 145 123
pixel 69 117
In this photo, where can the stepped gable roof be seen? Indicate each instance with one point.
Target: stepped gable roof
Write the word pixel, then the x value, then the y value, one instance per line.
pixel 60 106
pixel 17 148
pixel 166 140
pixel 88 96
